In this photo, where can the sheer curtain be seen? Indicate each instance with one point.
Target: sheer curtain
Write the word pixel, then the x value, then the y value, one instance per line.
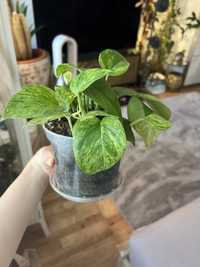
pixel 9 85
pixel 10 82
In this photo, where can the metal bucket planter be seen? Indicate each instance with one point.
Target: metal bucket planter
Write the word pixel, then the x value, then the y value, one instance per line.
pixel 70 182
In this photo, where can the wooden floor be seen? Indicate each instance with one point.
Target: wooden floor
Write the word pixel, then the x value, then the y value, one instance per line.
pixel 82 235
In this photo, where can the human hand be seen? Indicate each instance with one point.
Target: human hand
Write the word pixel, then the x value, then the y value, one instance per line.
pixel 44 159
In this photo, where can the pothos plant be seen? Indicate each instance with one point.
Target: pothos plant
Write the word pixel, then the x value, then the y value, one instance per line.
pixel 92 110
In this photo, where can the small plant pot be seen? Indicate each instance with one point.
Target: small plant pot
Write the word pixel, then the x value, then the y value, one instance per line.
pixel 174 81
pixel 178 69
pixel 156 87
pixel 155 83
pixel 70 182
pixel 36 70
pixel 175 76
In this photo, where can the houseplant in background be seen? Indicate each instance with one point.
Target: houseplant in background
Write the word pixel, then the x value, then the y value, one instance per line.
pixel 162 44
pixel 177 69
pixel 34 64
pixel 83 121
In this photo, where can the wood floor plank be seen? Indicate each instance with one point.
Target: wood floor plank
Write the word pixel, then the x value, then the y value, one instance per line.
pixel 102 254
pixel 81 234
pixel 89 234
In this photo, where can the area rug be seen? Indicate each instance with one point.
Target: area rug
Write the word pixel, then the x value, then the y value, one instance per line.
pixel 166 176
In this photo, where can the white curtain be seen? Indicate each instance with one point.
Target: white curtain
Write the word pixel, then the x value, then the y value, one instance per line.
pixel 189 40
pixel 192 41
pixel 9 82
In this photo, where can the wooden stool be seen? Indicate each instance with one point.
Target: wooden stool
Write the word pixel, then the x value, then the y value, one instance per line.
pixel 29 259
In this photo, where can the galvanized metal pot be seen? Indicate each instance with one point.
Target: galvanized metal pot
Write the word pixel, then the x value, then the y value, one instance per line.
pixel 70 182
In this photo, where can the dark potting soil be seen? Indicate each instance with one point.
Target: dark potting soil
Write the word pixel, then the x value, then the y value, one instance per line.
pixel 59 126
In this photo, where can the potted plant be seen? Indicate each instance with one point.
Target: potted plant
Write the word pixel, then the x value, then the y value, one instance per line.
pixel 83 121
pixel 163 25
pixel 34 64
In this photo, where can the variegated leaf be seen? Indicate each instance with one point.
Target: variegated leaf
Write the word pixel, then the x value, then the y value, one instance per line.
pixel 98 143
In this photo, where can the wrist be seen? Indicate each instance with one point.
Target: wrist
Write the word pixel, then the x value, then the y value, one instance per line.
pixel 34 170
pixel 34 177
pixel 38 169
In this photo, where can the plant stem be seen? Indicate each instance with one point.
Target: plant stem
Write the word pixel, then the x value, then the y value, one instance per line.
pixel 80 105
pixel 76 115
pixel 70 123
pixel 87 103
pixel 84 103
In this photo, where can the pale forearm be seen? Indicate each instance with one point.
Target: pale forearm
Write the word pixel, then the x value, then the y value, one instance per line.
pixel 17 206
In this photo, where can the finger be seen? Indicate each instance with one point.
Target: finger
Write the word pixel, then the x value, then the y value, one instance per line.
pixel 51 162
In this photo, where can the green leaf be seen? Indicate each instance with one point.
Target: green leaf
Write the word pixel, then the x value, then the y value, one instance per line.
pixel 43 120
pixel 150 127
pixel 147 110
pixel 114 62
pixel 123 91
pixel 157 106
pixel 21 8
pixel 63 68
pixel 67 77
pixel 103 95
pixel 33 101
pixel 128 130
pixel 64 97
pixel 85 78
pixel 97 113
pixel 36 30
pixel 98 144
pixel 158 122
pixel 135 109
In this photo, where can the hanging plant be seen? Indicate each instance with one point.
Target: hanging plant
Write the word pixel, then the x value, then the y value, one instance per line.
pixel 162 5
pixel 154 42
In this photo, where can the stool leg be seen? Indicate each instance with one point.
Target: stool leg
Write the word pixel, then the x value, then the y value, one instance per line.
pixel 42 220
pixel 22 261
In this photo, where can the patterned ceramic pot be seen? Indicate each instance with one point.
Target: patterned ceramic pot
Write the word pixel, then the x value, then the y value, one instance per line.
pixel 70 182
pixel 36 70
